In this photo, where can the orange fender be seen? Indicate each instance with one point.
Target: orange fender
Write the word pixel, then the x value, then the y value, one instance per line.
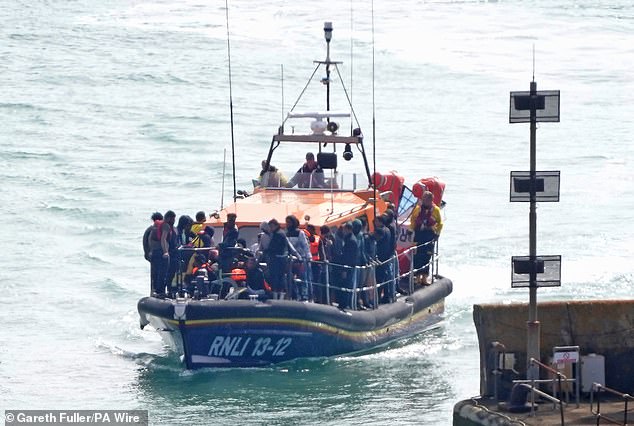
pixel 389 182
pixel 432 184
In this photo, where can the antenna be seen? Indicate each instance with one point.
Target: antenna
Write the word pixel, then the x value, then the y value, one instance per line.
pixel 328 37
pixel 533 61
pixel 233 148
pixel 373 115
pixel 222 190
pixel 351 62
pixel 282 83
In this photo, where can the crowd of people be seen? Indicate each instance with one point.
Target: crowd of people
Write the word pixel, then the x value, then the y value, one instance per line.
pixel 291 263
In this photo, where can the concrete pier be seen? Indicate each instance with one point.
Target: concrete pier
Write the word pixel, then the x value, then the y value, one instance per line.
pixel 604 328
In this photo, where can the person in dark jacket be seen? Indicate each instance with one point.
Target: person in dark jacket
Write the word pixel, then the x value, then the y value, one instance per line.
pixel 310 175
pixel 230 236
pixel 276 256
pixel 149 245
pixel 255 279
pixel 349 257
pixel 147 249
pixel 384 252
pixel 388 220
pixel 162 242
pixel 362 260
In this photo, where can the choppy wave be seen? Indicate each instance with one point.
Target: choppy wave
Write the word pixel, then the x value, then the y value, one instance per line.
pixel 111 111
pixel 142 357
pixel 93 213
pixel 29 155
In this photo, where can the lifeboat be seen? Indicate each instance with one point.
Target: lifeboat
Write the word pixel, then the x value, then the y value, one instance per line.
pixel 212 319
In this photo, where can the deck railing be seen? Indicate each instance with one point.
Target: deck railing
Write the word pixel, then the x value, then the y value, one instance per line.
pixel 597 390
pixel 532 386
pixel 363 282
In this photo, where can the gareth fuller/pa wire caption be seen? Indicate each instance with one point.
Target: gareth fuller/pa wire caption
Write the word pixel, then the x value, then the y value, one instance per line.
pixel 76 417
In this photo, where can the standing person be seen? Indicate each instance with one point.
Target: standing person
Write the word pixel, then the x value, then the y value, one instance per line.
pixel 348 258
pixel 393 270
pixel 362 260
pixel 384 253
pixel 147 249
pixel 184 236
pixel 229 240
pixel 161 253
pixel 149 244
pixel 317 256
pixel 327 243
pixel 178 235
pixel 370 256
pixel 426 222
pixel 184 230
pixel 263 241
pixel 275 255
pixel 310 175
pixel 199 225
pixel 336 269
pixel 298 241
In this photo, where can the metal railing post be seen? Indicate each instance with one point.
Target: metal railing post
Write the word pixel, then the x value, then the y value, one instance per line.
pixel 411 269
pixel 354 295
pixel 435 260
pixel 600 388
pixel 375 288
pixel 327 265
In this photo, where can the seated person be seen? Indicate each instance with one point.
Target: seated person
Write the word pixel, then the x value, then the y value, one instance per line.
pixel 310 175
pixel 230 235
pixel 271 177
pixel 199 224
pixel 255 279
pixel 204 238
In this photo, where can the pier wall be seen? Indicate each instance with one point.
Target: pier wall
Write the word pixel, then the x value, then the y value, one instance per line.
pixel 604 327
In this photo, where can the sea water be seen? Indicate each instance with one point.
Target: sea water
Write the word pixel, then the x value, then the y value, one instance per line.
pixel 112 110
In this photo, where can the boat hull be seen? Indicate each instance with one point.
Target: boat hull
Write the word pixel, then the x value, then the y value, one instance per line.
pixel 244 333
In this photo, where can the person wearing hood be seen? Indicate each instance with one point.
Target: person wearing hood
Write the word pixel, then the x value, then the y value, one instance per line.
pixel 310 175
pixel 362 260
pixel 230 235
pixel 275 255
pixel 264 237
pixel 426 222
pixel 349 258
pixel 298 241
pixel 149 244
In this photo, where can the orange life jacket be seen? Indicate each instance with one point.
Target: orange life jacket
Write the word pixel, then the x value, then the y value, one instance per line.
pixel 314 248
pixel 238 274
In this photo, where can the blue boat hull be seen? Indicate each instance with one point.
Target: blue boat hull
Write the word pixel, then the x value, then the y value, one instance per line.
pixel 243 333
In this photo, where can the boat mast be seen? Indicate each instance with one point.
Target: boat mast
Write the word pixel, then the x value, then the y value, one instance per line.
pixel 233 148
pixel 373 118
pixel 326 81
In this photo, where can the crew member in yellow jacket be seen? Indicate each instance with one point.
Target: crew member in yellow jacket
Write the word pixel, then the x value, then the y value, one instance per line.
pixel 426 222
